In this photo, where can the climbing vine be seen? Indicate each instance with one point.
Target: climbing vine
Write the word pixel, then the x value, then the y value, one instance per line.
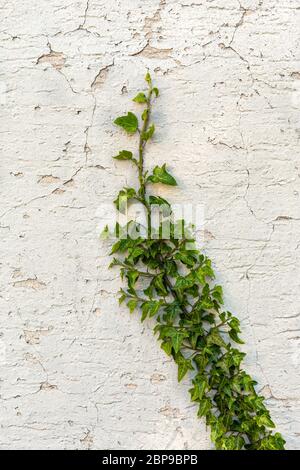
pixel 170 280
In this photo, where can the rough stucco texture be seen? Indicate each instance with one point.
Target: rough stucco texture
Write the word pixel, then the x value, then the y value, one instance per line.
pixel 77 371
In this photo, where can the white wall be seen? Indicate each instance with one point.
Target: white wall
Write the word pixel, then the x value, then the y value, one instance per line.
pixel 76 370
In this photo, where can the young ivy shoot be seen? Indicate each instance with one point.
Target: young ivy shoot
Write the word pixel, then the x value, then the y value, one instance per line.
pixel 169 280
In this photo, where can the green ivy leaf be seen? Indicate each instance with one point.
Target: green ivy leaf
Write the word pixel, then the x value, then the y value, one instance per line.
pixel 234 324
pixel 217 294
pixel 236 357
pixel 159 284
pixel 167 347
pixel 131 304
pixel 200 275
pixel 204 407
pixel 273 442
pixel 185 258
pixel 129 123
pixel 132 277
pixel 246 381
pixel 145 114
pixel 177 338
pixel 149 133
pixel 149 291
pixel 184 365
pixel 148 78
pixel 140 98
pixel 124 155
pixel 150 308
pixel 265 420
pixel 214 337
pixel 183 368
pixel 160 175
pixel 234 336
pixel 171 268
pixel 136 252
pixel 183 283
pixel 123 197
pixel 205 271
pixel 122 297
pixel 104 235
pixel 231 443
pixel 201 361
pixel 217 429
pixel 121 246
pixel 159 201
pixel 173 310
pixel 196 332
pixel 155 91
pixel 200 386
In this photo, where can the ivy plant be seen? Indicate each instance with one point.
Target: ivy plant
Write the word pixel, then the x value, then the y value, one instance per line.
pixel 170 280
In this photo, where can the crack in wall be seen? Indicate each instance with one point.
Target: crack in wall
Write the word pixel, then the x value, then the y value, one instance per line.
pixel 87 148
pixel 153 52
pixel 85 15
pixel 57 61
pixel 101 77
pixel 149 25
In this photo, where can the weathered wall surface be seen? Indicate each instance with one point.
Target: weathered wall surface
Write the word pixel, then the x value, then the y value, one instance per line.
pixel 76 370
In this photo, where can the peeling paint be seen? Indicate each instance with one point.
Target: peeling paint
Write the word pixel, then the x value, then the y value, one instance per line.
pixel 30 283
pixel 48 179
pixel 56 59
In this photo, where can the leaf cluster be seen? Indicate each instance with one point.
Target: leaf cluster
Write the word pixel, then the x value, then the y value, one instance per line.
pixel 171 282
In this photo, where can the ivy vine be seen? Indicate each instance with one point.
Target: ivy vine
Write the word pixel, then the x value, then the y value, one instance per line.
pixel 170 280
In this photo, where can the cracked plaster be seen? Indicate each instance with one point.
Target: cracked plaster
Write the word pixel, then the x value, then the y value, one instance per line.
pixel 76 370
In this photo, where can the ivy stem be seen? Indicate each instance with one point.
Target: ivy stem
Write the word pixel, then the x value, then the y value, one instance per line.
pixel 142 142
pixel 172 290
